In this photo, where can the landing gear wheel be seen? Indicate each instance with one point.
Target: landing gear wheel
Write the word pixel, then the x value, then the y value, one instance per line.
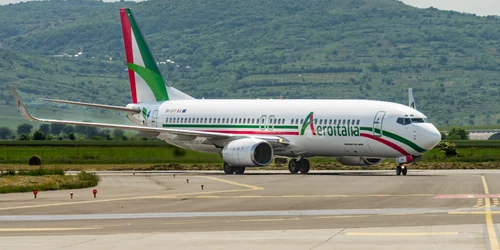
pixel 398 170
pixel 228 169
pixel 404 169
pixel 304 166
pixel 293 166
pixel 239 170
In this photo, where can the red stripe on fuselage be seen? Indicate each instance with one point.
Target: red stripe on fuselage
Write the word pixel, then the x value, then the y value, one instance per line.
pixel 386 142
pixel 251 132
pixel 127 41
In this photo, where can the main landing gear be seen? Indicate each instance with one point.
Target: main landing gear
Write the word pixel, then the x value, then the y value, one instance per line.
pixel 401 169
pixel 233 170
pixel 301 165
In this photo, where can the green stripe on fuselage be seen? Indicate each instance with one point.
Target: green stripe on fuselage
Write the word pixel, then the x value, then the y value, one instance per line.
pixel 397 138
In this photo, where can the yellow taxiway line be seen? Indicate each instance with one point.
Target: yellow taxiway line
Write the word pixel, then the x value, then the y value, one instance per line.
pixel 232 182
pixel 492 235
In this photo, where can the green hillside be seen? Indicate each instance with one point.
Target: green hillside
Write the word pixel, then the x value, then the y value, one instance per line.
pixel 367 49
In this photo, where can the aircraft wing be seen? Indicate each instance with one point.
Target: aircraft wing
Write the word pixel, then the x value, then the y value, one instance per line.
pixel 114 108
pixel 219 139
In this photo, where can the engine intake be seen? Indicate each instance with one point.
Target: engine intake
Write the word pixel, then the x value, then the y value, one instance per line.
pixel 358 161
pixel 248 152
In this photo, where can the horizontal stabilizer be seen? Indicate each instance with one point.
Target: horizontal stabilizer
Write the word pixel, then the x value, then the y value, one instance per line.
pixel 93 105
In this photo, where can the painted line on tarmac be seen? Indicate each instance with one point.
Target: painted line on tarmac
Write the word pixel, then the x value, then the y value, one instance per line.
pixel 381 211
pixel 492 235
pixel 41 229
pixel 264 220
pixel 466 196
pixel 168 196
pixel 187 222
pixel 344 216
pixel 396 234
pixel 232 182
pixel 301 196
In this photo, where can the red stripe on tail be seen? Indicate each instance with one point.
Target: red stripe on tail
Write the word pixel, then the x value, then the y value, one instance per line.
pixel 127 41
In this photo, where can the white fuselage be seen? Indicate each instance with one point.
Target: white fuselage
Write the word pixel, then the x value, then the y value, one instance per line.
pixel 337 128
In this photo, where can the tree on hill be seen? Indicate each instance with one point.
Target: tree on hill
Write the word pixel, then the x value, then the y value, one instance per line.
pixel 39 136
pixel 55 128
pixel 68 129
pixel 118 133
pixel 24 137
pixel 458 134
pixel 5 133
pixel 257 48
pixel 24 129
pixel 45 128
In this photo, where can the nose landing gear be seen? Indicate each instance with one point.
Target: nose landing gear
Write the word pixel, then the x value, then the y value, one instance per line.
pixel 401 169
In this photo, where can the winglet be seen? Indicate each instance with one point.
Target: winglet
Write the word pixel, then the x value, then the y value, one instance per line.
pixel 411 99
pixel 20 106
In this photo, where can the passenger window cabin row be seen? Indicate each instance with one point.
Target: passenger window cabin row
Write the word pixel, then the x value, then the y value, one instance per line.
pixel 334 122
pixel 206 120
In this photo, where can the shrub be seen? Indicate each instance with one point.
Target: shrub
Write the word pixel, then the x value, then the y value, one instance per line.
pixel 179 152
pixel 24 137
pixel 35 161
pixel 448 148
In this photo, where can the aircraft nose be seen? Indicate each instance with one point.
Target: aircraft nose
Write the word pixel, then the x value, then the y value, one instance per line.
pixel 432 137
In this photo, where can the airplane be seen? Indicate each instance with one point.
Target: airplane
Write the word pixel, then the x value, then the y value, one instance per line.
pixel 251 132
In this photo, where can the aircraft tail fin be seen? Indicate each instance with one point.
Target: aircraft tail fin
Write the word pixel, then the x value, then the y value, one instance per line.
pixel 411 99
pixel 146 82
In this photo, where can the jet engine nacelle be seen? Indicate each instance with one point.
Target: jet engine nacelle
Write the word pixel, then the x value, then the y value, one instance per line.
pixel 248 152
pixel 358 161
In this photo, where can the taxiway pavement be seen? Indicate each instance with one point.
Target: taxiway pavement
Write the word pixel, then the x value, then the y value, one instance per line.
pixel 426 209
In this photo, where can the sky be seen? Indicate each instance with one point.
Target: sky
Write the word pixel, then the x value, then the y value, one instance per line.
pixel 478 7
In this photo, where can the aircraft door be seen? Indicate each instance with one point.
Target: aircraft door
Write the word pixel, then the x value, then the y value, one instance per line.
pixel 377 123
pixel 152 120
pixel 262 123
pixel 270 124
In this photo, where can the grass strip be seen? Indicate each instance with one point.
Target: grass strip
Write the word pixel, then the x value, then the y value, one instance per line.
pixel 28 183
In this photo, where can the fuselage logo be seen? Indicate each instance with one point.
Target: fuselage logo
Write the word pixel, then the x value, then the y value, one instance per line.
pixel 329 130
pixel 145 113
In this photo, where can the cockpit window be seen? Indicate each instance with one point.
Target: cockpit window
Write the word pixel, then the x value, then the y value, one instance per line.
pixel 417 120
pixel 403 121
